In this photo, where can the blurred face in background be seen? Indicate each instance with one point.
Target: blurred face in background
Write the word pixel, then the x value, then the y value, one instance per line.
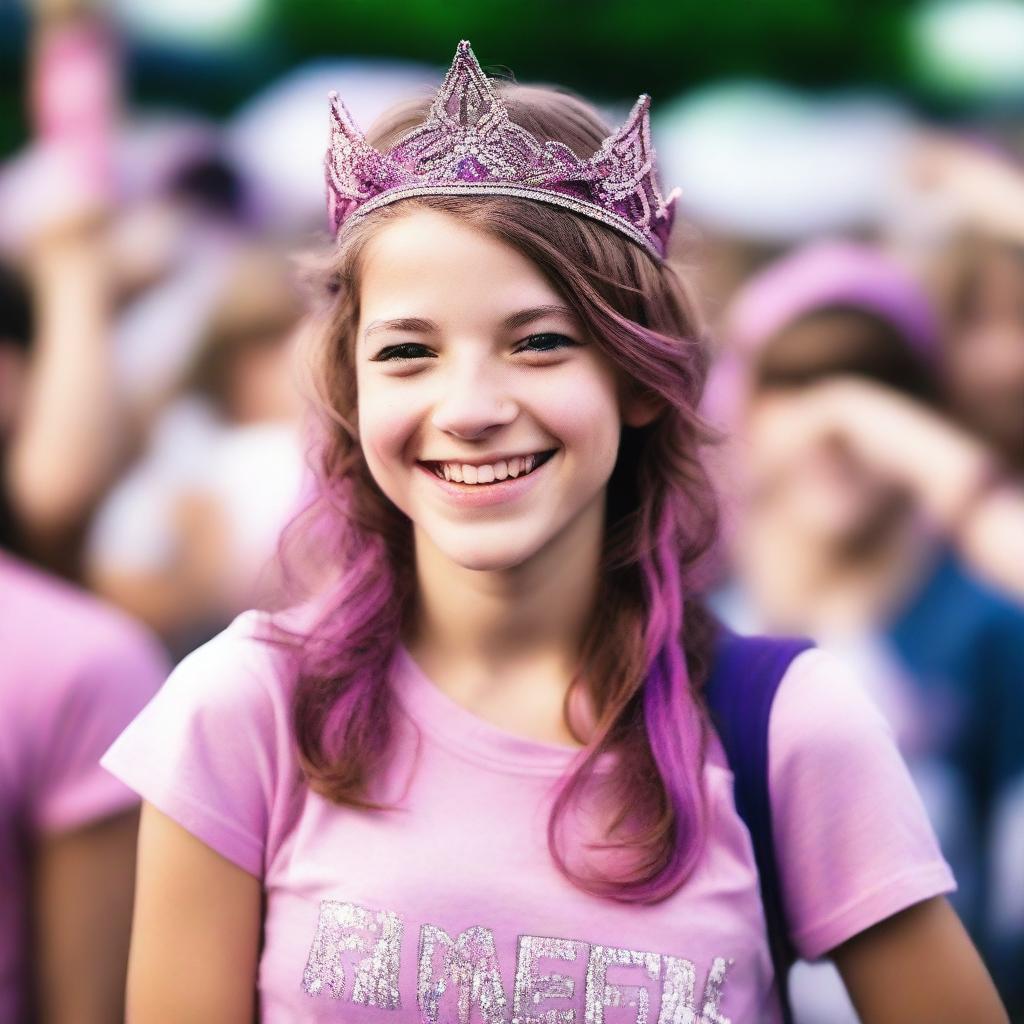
pixel 157 235
pixel 818 486
pixel 983 372
pixel 245 365
pixel 261 383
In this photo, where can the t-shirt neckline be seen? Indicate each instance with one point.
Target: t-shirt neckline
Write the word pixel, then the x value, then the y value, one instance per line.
pixel 462 732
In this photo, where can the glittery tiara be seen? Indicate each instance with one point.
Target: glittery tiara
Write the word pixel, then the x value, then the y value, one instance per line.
pixel 469 146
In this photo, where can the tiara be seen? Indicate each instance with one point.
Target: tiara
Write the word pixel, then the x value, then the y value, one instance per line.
pixel 468 146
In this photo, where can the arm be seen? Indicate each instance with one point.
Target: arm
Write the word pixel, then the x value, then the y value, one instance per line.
pixel 70 440
pixel 196 931
pixel 980 188
pixel 949 472
pixel 82 906
pixel 918 965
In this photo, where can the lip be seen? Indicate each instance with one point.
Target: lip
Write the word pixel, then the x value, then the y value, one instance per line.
pixel 483 495
pixel 488 461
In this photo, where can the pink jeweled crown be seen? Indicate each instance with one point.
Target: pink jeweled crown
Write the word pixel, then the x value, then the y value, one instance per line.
pixel 469 146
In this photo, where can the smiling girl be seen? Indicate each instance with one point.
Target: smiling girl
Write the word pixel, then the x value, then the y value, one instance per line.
pixel 474 777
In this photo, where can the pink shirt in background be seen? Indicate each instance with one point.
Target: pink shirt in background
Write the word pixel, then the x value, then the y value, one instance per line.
pixel 73 673
pixel 450 908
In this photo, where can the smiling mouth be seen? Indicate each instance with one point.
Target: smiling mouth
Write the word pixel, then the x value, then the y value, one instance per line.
pixel 491 473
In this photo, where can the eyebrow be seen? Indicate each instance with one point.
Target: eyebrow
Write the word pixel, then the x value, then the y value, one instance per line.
pixel 528 316
pixel 515 321
pixel 408 324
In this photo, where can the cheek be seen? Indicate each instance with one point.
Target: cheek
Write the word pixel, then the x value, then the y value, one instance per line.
pixel 585 414
pixel 388 424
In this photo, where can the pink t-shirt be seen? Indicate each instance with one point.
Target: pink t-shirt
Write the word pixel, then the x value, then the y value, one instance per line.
pixel 450 908
pixel 73 674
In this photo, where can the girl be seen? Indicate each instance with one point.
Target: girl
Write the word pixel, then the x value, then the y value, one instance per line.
pixel 472 778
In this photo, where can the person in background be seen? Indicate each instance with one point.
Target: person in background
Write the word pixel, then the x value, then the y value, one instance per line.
pixel 73 672
pixel 124 228
pixel 852 497
pixel 966 236
pixel 70 442
pixel 183 536
pixel 981 288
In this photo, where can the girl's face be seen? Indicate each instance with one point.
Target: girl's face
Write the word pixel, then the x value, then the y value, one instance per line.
pixel 485 412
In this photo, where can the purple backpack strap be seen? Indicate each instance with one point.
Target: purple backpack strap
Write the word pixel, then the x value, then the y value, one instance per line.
pixel 744 678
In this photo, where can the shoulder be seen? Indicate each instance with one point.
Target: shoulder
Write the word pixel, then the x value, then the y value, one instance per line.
pixel 978 590
pixel 822 713
pixel 67 622
pixel 213 749
pixel 64 648
pixel 245 647
pixel 239 675
pixel 75 672
pixel 954 607
pixel 852 839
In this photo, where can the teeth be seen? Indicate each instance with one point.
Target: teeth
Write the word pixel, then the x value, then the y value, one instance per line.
pixel 464 473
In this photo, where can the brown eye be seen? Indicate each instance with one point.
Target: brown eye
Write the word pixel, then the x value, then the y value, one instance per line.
pixel 409 350
pixel 545 343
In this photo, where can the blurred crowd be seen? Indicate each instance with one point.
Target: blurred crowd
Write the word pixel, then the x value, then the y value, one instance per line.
pixel 862 277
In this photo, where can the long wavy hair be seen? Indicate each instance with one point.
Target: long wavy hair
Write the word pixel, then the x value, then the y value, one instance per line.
pixel 648 648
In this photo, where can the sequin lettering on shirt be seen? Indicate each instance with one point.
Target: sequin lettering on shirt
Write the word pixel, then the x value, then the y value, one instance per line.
pixel 369 943
pixel 679 979
pixel 531 988
pixel 470 963
pixel 347 928
pixel 601 994
pixel 710 1014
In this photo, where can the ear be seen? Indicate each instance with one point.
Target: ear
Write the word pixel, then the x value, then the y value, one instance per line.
pixel 640 408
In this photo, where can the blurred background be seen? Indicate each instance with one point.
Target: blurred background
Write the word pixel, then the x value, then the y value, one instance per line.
pixel 852 223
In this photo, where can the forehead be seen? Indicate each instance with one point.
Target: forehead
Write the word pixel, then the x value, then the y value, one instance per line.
pixel 431 264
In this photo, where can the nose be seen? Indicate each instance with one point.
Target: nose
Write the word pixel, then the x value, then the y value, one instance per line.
pixel 473 405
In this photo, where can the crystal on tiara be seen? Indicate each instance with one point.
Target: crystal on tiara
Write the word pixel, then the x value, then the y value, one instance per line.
pixel 468 145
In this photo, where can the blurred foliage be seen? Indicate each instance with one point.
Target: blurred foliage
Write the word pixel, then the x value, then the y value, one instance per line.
pixel 12 62
pixel 609 49
pixel 615 48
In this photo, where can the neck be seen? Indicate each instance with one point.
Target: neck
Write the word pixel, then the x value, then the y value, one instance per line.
pixel 492 625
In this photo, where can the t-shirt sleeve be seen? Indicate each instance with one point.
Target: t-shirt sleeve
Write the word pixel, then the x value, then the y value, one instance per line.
pixel 100 693
pixel 207 750
pixel 853 842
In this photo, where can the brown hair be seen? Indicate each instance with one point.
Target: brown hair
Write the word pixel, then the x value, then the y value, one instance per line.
pixel 839 339
pixel 258 308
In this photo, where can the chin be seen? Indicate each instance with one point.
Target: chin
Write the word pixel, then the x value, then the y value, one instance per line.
pixel 486 559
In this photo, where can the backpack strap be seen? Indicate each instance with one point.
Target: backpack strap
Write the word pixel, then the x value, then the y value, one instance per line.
pixel 744 679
